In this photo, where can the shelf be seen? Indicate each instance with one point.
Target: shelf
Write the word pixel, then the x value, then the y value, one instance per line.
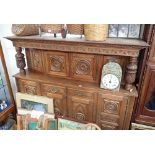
pixel 111 41
pixel 40 77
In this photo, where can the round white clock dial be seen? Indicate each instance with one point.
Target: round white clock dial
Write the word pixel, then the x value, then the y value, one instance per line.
pixel 110 81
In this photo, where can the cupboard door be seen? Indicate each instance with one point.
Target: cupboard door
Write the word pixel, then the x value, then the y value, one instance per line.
pixel 81 105
pixel 35 60
pixel 83 67
pixel 57 63
pixel 29 87
pixel 58 93
pixel 111 111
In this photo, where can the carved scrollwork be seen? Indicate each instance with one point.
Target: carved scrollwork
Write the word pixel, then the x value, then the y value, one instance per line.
pixel 111 106
pixel 30 90
pixel 83 67
pixel 57 63
pixel 53 90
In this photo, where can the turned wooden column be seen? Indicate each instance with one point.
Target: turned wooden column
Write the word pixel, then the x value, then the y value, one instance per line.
pixel 20 60
pixel 131 73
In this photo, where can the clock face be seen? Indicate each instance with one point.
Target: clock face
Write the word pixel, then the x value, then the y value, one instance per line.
pixel 110 81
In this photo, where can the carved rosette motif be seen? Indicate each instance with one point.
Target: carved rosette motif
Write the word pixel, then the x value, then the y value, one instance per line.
pixel 110 106
pixel 83 67
pixel 20 60
pixel 30 90
pixel 131 73
pixel 80 116
pixel 57 63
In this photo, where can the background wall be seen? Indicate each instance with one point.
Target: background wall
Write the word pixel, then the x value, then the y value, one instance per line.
pixel 9 53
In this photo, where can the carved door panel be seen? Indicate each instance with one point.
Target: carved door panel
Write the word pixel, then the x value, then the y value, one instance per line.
pixel 83 67
pixel 57 63
pixel 81 105
pixel 111 111
pixel 58 93
pixel 35 60
pixel 29 87
pixel 148 93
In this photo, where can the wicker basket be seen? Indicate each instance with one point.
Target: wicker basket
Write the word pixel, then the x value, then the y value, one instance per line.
pixel 96 32
pixel 75 29
pixel 52 28
pixel 25 29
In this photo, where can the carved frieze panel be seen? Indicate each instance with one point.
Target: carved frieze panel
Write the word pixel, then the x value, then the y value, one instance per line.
pixel 109 49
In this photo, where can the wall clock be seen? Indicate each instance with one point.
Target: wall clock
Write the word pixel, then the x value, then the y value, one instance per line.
pixel 111 76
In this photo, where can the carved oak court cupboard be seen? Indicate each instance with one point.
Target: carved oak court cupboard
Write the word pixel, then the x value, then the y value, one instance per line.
pixel 69 71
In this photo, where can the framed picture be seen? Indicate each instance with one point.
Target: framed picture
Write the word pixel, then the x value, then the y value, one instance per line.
pixel 34 102
pixel 135 126
pixel 65 123
pixel 35 120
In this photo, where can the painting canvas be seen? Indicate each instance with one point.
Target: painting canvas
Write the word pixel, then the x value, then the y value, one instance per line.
pixel 35 120
pixel 67 124
pixel 34 102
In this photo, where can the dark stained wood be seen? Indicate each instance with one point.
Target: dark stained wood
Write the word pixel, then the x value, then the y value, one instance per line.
pixel 69 71
pixel 20 60
pixel 143 114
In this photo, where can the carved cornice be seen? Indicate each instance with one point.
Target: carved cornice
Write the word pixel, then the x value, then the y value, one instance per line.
pixel 79 48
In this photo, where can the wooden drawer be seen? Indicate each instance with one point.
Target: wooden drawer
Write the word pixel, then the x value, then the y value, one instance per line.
pixel 58 93
pixel 53 89
pixel 81 93
pixel 57 64
pixel 81 105
pixel 29 87
pixel 83 67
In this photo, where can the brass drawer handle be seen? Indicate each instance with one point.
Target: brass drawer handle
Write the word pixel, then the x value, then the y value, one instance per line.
pixel 54 90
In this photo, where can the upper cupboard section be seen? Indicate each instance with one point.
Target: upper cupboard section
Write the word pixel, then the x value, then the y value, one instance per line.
pixel 77 66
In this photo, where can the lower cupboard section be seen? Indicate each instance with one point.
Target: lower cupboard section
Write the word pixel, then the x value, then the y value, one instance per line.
pixel 107 110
